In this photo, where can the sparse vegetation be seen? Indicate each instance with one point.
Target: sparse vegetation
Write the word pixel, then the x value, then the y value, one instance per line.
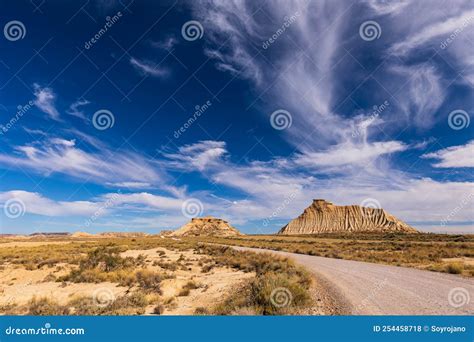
pixel 184 292
pixel 455 268
pixel 46 307
pixel 96 261
pixel 104 264
pixel 159 309
pixel 272 274
pixel 132 304
pixel 201 311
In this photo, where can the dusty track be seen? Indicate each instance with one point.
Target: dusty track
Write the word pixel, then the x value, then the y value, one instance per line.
pixel 374 289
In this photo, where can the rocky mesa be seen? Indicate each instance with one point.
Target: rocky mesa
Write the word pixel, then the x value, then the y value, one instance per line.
pixel 324 217
pixel 206 226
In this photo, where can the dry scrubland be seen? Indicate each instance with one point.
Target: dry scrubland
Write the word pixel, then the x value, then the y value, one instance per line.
pixel 152 275
pixel 435 252
pixel 156 275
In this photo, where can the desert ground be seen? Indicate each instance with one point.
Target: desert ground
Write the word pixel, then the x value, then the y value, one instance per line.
pixel 160 275
pixel 149 276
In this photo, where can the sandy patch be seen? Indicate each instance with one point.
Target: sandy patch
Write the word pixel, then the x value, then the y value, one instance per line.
pixel 31 243
pixel 214 286
pixel 18 285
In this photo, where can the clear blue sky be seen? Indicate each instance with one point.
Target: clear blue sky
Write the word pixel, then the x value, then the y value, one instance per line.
pixel 137 115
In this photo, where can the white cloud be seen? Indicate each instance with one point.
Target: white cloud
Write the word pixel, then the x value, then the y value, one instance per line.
pixel 231 22
pixel 131 185
pixel 35 131
pixel 37 204
pixel 45 98
pixel 165 44
pixel 58 155
pixel 148 68
pixel 198 156
pixel 75 110
pixel 448 29
pixel 422 94
pixel 157 202
pixel 349 153
pixel 392 7
pixel 437 29
pixel 454 156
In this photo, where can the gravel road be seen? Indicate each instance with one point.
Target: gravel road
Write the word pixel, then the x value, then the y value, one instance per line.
pixel 373 289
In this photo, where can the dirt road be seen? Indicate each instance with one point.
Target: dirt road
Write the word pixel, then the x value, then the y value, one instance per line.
pixel 374 289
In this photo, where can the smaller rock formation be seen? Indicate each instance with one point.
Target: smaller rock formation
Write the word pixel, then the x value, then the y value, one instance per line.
pixel 206 226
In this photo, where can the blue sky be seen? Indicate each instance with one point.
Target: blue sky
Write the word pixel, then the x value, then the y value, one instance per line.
pixel 135 116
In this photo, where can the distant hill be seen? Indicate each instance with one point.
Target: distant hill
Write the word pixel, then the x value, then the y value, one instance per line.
pixel 46 234
pixel 206 226
pixel 122 234
pixel 81 235
pixel 324 217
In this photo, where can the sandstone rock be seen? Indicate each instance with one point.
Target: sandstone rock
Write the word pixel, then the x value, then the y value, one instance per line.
pixel 206 226
pixel 324 217
pixel 81 235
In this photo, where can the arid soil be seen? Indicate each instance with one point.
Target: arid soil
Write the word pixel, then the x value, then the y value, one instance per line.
pixel 213 285
pixel 19 285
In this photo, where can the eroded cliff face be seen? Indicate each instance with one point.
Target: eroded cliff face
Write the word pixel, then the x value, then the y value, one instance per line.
pixel 324 217
pixel 206 226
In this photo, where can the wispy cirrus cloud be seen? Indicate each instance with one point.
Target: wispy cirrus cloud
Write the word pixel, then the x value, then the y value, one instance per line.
pixel 422 94
pixel 454 156
pixel 349 154
pixel 45 101
pixel 104 165
pixel 166 44
pixel 75 108
pixel 148 68
pixel 434 32
pixel 200 155
pixel 382 7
